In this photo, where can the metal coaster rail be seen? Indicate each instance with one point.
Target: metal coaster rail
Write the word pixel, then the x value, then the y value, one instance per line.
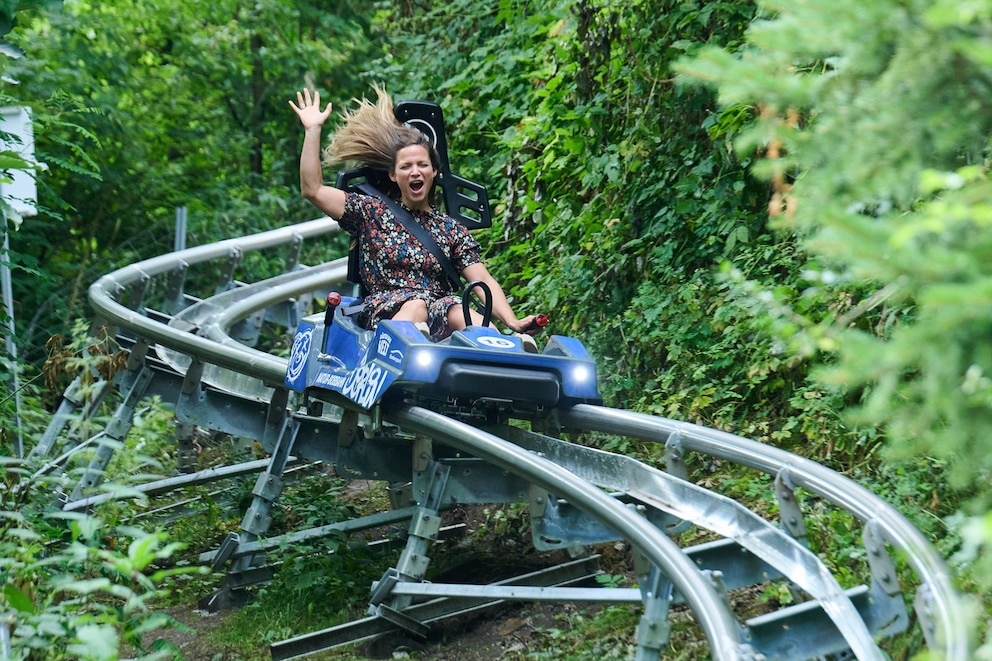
pixel 183 348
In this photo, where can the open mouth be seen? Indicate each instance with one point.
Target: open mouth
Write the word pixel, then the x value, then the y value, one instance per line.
pixel 416 186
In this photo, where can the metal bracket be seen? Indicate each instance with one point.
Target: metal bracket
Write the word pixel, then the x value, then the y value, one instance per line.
pixel 293 250
pixel 425 525
pixel 674 456
pixel 268 486
pixel 136 292
pixel 400 495
pixel 720 586
pixel 654 627
pixel 789 513
pixel 226 280
pixel 186 453
pixel 174 297
pixel 413 566
pixel 257 519
pixel 374 424
pixel 383 588
pixel 550 425
pixel 137 355
pixel 405 622
pixel 194 374
pixel 226 550
pixel 883 570
pixel 348 428
pixel 423 453
pixel 675 465
pixel 538 501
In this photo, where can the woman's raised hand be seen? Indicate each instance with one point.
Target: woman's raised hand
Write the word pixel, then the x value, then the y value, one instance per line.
pixel 307 108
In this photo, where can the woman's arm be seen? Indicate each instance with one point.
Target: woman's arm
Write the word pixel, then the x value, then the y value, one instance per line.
pixel 501 307
pixel 328 199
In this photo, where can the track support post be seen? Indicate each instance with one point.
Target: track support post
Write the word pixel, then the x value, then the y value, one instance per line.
pixel 654 627
pixel 186 448
pixel 116 431
pixel 268 486
pixel 255 523
pixel 428 485
pixel 75 406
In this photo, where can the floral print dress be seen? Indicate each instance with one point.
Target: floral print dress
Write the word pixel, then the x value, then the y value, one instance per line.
pixel 394 265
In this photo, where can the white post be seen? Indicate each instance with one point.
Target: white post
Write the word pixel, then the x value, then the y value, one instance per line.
pixel 21 193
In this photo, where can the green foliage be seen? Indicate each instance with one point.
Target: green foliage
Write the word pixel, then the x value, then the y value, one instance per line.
pixel 611 580
pixel 78 585
pixel 618 194
pixel 631 206
pixel 72 586
pixel 189 103
pixel 581 635
pixel 60 116
pixel 919 488
pixel 312 501
pixel 326 579
pixel 874 130
pixel 886 198
pixel 320 581
pixel 10 8
pixel 24 266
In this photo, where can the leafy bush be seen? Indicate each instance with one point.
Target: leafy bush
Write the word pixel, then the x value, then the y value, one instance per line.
pixel 875 142
pixel 72 586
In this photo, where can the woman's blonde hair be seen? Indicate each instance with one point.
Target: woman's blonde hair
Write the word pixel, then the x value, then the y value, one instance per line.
pixel 371 136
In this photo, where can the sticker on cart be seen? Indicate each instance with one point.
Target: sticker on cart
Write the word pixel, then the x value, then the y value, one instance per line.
pixel 495 342
pixel 383 348
pixel 385 340
pixel 365 384
pixel 298 356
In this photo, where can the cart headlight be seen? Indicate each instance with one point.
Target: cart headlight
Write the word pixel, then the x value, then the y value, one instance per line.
pixel 581 373
pixel 423 359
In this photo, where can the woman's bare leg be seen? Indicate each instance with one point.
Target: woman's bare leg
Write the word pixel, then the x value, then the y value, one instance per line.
pixel 413 310
pixel 456 321
pixel 456 318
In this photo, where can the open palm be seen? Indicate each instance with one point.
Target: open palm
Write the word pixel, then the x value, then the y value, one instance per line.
pixel 307 108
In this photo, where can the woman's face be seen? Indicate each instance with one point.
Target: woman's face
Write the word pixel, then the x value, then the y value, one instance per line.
pixel 414 175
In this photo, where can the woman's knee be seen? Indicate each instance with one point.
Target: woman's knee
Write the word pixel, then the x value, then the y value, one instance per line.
pixel 456 320
pixel 412 310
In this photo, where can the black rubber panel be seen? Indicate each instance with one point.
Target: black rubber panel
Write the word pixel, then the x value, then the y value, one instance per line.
pixel 519 385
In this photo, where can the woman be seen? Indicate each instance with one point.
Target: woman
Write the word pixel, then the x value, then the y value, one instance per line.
pixel 403 279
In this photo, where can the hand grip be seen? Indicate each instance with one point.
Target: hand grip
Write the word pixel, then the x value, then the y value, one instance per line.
pixel 537 323
pixel 333 301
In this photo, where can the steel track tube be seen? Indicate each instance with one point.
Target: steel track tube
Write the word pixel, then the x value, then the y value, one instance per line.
pixel 714 512
pixel 234 307
pixel 103 293
pixel 839 490
pixel 721 629
pixel 215 317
